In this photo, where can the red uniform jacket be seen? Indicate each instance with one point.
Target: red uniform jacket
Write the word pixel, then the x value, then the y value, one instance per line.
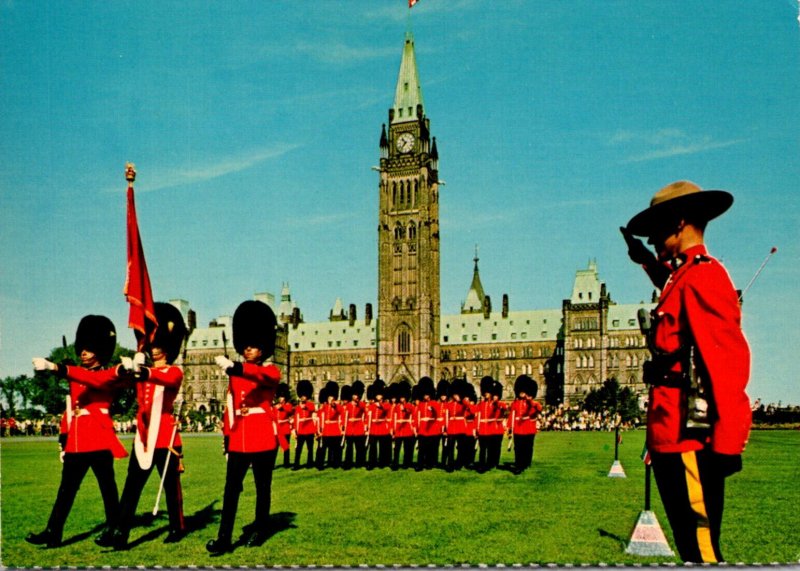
pixel 88 423
pixel 170 377
pixel 489 417
pixel 427 418
pixel 522 416
pixel 330 419
pixel 356 415
pixel 380 416
pixel 455 418
pixel 403 419
pixel 699 302
pixel 249 420
pixel 304 418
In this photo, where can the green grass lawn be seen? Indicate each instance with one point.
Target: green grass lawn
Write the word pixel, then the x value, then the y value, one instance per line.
pixel 565 509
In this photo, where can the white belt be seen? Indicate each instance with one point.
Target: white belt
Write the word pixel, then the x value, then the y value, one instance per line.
pixel 86 411
pixel 251 410
pixel 280 421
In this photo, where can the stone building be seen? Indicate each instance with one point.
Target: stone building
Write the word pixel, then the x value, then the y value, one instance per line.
pixel 568 350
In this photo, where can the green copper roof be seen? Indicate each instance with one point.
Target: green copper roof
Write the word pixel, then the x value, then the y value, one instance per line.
pixel 409 91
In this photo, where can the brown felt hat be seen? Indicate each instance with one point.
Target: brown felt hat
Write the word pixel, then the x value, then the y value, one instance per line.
pixel 682 198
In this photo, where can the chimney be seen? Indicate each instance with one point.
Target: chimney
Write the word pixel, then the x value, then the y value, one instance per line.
pixel 368 315
pixel 487 307
pixel 352 315
pixel 295 317
pixel 505 305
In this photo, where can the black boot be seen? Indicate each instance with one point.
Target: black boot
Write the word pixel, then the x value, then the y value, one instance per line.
pixel 174 536
pixel 48 537
pixel 220 545
pixel 106 538
pixel 119 540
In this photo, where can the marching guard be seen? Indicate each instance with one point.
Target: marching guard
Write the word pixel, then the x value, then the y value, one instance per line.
pixel 330 427
pixel 428 426
pixel 284 410
pixel 355 430
pixel 304 423
pixel 248 425
pixel 403 430
pixel 87 436
pixel 522 421
pixel 157 439
pixel 379 415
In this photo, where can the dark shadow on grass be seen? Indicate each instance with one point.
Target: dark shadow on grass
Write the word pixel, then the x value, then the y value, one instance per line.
pixel 83 536
pixel 615 537
pixel 277 523
pixel 197 521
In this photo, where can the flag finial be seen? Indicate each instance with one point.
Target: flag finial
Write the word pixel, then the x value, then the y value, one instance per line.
pixel 130 172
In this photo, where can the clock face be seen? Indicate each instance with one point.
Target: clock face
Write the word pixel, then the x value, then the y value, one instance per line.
pixel 405 142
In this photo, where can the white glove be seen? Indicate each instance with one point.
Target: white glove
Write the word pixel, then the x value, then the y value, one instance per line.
pixel 42 364
pixel 138 361
pixel 223 362
pixel 126 363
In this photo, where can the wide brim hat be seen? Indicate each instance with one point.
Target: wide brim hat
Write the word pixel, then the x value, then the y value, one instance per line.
pixel 254 325
pixel 96 333
pixel 681 198
pixel 171 330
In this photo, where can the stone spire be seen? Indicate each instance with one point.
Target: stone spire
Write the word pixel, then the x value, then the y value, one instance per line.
pixel 476 295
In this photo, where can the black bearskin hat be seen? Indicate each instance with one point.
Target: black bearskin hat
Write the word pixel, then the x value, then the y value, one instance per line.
pixel 379 388
pixel 304 389
pixel 391 391
pixel 457 388
pixel 404 390
pixel 323 395
pixel 497 389
pixel 358 388
pixel 282 391
pixel 347 392
pixel 533 389
pixel 522 385
pixel 96 333
pixel 331 390
pixel 486 385
pixel 171 330
pixel 254 326
pixel 425 387
pixel 442 389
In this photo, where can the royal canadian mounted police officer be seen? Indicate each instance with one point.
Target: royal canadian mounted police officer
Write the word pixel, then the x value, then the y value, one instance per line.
pixel 87 436
pixel 157 436
pixel 249 425
pixel 699 416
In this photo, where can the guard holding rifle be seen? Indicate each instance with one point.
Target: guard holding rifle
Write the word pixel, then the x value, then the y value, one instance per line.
pixel 157 441
pixel 699 416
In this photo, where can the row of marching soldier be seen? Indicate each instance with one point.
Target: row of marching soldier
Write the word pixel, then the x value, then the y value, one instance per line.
pixel 446 424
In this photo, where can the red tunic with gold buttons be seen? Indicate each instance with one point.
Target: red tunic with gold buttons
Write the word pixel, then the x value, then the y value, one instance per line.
pixel 455 419
pixel 427 418
pixel 304 418
pixel 488 417
pixel 402 420
pixel 88 423
pixel 169 377
pixel 249 420
pixel 330 418
pixel 380 417
pixel 522 416
pixel 699 302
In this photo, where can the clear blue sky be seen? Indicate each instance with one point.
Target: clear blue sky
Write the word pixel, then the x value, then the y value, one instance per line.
pixel 253 127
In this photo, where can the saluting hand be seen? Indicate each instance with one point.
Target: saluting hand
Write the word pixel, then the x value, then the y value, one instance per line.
pixel 42 364
pixel 223 362
pixel 637 251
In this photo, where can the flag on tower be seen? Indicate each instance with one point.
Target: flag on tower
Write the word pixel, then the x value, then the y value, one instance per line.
pixel 412 2
pixel 137 290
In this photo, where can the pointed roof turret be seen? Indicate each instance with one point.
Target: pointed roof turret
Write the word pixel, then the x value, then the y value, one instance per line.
pixel 408 93
pixel 475 296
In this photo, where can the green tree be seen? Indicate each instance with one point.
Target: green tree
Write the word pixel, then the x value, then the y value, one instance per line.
pixel 610 398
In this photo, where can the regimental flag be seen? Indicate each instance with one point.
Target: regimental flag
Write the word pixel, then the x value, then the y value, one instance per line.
pixel 137 290
pixel 646 455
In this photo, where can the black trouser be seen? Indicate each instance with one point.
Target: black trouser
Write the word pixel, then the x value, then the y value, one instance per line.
pixel 380 451
pixel 466 453
pixel 306 440
pixel 523 450
pixel 359 443
pixel 331 446
pixel 76 464
pixel 287 454
pixel 238 464
pixel 490 446
pixel 137 478
pixel 428 452
pixel 451 443
pixel 406 444
pixel 692 490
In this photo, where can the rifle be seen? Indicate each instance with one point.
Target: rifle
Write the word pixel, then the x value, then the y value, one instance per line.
pixel 511 432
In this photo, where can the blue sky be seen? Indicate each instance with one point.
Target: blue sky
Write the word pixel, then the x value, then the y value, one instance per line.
pixel 253 127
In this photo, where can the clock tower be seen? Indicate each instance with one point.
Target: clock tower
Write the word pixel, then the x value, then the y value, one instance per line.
pixel 408 235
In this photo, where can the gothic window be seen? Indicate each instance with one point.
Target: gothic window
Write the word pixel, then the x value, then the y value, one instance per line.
pixel 394 194
pixel 416 192
pixel 402 194
pixel 412 231
pixel 591 361
pixel 627 360
pixel 404 342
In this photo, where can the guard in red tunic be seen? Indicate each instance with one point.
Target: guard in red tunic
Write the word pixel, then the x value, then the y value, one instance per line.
pixel 87 435
pixel 284 411
pixel 521 422
pixel 455 427
pixel 249 421
pixel 379 415
pixel 355 415
pixel 157 441
pixel 304 424
pixel 403 429
pixel 489 418
pixel 428 426
pixel 699 415
pixel 470 400
pixel 331 417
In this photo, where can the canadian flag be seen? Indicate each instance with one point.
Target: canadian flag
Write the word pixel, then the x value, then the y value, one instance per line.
pixel 412 2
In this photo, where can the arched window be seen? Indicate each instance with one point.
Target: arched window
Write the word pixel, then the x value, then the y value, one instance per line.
pixel 412 231
pixel 591 361
pixel 404 342
pixel 394 194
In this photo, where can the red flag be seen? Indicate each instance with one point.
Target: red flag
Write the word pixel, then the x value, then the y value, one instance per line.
pixel 142 316
pixel 412 2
